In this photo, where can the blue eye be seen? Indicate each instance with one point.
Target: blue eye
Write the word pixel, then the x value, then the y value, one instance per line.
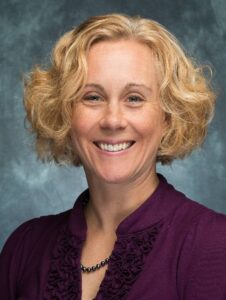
pixel 92 98
pixel 135 99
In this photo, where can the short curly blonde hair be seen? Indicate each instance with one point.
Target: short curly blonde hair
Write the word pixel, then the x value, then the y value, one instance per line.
pixel 185 94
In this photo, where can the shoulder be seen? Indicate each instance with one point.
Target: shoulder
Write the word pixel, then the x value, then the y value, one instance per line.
pixel 206 231
pixel 191 215
pixel 27 243
pixel 202 256
pixel 30 235
pixel 35 229
pixel 202 220
pixel 201 226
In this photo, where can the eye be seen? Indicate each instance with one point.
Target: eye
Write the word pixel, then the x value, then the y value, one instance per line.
pixel 135 99
pixel 92 98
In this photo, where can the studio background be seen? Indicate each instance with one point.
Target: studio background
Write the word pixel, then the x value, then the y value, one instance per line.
pixel 28 31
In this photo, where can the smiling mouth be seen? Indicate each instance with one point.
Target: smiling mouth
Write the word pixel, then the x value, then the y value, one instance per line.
pixel 114 147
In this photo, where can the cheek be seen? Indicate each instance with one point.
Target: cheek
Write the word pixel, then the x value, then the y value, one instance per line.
pixel 83 120
pixel 79 122
pixel 77 129
pixel 150 123
pixel 152 132
pixel 82 130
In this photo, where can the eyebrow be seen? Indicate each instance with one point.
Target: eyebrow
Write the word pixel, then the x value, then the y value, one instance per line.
pixel 138 85
pixel 128 85
pixel 94 85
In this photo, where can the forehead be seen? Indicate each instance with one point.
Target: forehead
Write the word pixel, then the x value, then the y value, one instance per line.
pixel 122 59
pixel 128 47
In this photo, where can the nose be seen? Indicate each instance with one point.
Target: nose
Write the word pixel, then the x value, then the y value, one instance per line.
pixel 113 117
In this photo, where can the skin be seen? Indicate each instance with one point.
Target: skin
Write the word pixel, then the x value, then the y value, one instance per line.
pixel 120 104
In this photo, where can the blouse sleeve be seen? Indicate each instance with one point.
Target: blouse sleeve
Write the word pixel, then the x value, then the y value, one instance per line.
pixel 206 279
pixel 12 260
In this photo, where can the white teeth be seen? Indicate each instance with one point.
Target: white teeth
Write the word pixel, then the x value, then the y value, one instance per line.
pixel 114 148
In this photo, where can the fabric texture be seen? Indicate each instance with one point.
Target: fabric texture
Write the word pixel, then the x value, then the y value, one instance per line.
pixel 169 248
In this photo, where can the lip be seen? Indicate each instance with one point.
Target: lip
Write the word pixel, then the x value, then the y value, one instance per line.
pixel 114 142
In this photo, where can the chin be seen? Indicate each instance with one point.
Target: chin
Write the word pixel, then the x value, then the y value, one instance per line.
pixel 113 178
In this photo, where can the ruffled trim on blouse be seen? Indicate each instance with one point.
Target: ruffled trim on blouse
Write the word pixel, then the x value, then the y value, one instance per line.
pixel 125 265
pixel 64 278
pixel 127 262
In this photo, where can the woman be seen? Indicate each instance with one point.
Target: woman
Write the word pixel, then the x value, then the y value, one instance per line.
pixel 120 96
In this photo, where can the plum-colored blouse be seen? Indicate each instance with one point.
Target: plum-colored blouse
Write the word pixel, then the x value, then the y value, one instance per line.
pixel 169 248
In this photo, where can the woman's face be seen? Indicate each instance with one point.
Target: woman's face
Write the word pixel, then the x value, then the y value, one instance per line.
pixel 118 124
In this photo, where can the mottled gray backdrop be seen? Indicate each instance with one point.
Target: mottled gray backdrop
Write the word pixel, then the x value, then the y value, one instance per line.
pixel 28 31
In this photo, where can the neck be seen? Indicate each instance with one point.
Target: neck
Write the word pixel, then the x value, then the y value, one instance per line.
pixel 109 203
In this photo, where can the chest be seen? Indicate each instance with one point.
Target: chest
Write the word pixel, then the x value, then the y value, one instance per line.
pixel 91 283
pixel 137 269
